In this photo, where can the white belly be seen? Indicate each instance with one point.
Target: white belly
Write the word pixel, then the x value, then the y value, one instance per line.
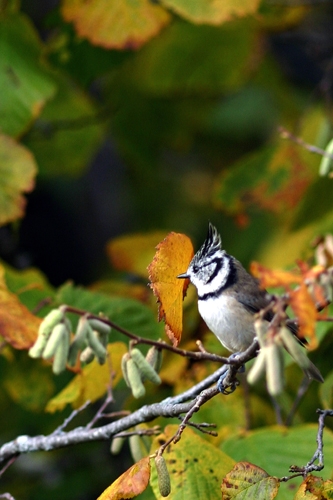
pixel 229 320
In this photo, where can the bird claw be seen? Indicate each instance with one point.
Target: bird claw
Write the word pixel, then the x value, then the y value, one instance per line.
pixel 227 389
pixel 227 385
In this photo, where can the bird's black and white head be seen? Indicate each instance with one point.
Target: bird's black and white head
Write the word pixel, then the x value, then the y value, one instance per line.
pixel 211 267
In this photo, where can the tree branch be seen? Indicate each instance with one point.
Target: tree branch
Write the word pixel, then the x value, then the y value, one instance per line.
pixel 170 407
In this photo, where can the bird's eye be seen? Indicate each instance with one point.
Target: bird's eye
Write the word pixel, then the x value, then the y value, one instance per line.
pixel 195 268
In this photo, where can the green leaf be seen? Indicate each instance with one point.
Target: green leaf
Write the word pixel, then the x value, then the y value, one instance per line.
pixel 25 83
pixel 273 178
pixel 127 313
pixel 76 56
pixel 196 467
pixel 275 449
pixel 17 176
pixel 29 384
pixel 170 64
pixel 326 391
pixel 30 285
pixel 249 481
pixel 67 133
pixel 216 12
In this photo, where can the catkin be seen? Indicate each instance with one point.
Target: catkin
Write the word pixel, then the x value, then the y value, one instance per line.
pixel 45 329
pixel 258 368
pixel 274 369
pixel 56 338
pixel 144 367
pixel 154 358
pixel 163 476
pixel 134 379
pixel 61 354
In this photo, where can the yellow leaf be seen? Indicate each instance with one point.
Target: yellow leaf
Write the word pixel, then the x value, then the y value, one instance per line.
pixel 17 325
pixel 130 484
pixel 173 256
pixel 196 467
pixel 251 481
pixel 133 252
pixel 92 382
pixel 115 24
pixel 17 175
pixel 213 12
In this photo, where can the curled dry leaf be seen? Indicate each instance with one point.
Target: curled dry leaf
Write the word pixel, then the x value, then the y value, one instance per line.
pixel 172 258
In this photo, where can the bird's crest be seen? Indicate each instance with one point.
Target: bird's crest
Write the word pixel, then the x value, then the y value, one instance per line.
pixel 212 243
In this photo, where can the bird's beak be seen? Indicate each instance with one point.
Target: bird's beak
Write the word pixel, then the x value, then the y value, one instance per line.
pixel 183 276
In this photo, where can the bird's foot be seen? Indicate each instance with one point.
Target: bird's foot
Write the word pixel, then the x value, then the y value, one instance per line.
pixel 226 386
pixel 228 382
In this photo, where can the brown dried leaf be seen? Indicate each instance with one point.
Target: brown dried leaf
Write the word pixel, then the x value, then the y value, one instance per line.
pixel 173 255
pixel 130 484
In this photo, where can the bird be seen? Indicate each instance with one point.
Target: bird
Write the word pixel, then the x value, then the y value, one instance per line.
pixel 229 298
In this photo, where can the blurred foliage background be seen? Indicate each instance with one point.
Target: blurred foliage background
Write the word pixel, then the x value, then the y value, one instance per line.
pixel 121 117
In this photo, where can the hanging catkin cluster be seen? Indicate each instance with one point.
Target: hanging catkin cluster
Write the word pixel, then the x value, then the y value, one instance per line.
pixel 54 340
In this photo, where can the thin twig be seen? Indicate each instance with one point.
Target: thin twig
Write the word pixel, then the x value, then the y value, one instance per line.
pixel 285 134
pixel 153 431
pixel 100 414
pixel 299 396
pixel 202 427
pixel 141 340
pixel 10 462
pixel 199 401
pixel 62 427
pixel 318 454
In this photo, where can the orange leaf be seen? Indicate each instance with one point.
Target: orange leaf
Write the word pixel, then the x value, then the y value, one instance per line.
pixel 17 325
pixel 306 312
pixel 273 278
pixel 130 484
pixel 249 480
pixel 172 258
